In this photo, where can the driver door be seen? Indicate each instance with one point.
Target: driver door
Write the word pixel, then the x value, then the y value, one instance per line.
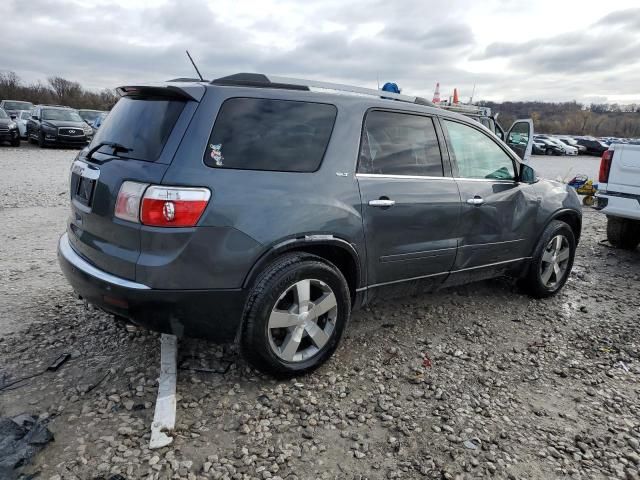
pixel 520 138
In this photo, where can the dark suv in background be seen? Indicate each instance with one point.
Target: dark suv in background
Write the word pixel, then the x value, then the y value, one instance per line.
pixel 593 146
pixel 258 209
pixel 57 125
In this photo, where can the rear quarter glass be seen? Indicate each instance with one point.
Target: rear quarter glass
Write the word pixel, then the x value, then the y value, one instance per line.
pixel 268 134
pixel 141 124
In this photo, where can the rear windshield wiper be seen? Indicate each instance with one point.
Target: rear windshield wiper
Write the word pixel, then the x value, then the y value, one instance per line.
pixel 117 147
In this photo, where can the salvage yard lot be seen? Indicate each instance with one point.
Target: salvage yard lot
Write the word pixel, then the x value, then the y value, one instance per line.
pixel 465 383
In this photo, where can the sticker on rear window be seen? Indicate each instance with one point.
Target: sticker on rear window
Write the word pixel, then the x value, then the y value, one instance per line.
pixel 216 154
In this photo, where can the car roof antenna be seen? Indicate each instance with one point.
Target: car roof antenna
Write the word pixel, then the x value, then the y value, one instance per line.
pixel 194 65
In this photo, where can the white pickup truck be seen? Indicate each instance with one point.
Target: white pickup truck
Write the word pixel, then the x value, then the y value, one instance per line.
pixel 619 194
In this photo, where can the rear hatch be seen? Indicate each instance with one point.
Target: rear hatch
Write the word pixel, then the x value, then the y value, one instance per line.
pixel 624 176
pixel 147 124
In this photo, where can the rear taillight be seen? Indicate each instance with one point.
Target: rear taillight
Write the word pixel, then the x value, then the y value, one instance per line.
pixel 173 206
pixel 605 166
pixel 128 201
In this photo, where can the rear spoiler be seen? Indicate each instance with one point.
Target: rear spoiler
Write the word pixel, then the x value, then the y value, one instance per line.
pixel 187 91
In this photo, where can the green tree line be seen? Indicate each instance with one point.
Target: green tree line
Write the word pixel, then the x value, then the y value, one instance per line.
pixel 572 118
pixel 57 91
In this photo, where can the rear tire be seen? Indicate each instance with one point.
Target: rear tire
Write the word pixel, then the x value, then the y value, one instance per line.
pixel 287 293
pixel 623 233
pixel 551 262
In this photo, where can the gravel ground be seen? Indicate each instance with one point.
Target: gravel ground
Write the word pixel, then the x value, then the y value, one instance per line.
pixel 471 382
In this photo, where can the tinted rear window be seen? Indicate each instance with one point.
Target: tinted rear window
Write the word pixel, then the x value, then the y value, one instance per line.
pixel 276 135
pixel 399 144
pixel 141 124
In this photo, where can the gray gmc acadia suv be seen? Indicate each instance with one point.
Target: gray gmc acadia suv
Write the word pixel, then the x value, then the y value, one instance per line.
pixel 264 211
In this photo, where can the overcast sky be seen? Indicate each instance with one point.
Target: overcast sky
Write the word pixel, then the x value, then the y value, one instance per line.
pixel 511 49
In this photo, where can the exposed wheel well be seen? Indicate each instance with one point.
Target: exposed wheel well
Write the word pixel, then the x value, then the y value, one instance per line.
pixel 341 258
pixel 573 220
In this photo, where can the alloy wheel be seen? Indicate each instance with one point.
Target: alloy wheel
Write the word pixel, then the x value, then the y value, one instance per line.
pixel 302 320
pixel 555 261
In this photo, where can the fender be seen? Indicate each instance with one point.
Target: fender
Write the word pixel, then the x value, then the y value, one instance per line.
pixel 563 212
pixel 300 243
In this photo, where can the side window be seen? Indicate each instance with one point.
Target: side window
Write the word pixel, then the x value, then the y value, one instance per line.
pixel 399 144
pixel 519 134
pixel 477 155
pixel 275 135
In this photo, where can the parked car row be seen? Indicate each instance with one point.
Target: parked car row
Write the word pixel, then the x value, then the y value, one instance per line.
pixel 47 125
pixel 575 145
pixel 567 145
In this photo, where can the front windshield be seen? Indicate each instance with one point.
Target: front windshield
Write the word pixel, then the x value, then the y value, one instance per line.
pixel 61 114
pixel 3 114
pixel 18 106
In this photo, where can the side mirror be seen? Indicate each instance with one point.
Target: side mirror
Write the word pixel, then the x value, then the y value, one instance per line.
pixel 527 174
pixel 35 117
pixel 13 116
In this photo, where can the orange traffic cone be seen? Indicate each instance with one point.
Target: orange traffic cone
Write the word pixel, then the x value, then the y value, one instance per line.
pixel 436 94
pixel 455 95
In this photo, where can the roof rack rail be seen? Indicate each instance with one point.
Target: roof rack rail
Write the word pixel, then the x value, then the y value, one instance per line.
pixel 256 80
pixel 263 81
pixel 466 109
pixel 185 79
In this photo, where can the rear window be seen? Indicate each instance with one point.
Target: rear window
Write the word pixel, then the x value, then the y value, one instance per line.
pixel 141 124
pixel 275 135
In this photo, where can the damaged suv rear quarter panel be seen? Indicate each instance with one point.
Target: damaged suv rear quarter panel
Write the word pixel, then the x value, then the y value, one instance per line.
pixel 250 217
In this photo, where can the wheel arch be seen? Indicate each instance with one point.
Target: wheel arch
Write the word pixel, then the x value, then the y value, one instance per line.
pixel 339 252
pixel 571 218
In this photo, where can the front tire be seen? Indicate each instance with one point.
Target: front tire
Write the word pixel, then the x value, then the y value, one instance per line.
pixel 16 142
pixel 41 142
pixel 551 262
pixel 623 233
pixel 295 315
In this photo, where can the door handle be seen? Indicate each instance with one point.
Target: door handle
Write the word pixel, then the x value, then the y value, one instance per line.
pixel 383 202
pixel 475 200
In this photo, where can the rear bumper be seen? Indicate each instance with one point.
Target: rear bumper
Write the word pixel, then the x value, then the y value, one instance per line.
pixel 626 206
pixel 211 314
